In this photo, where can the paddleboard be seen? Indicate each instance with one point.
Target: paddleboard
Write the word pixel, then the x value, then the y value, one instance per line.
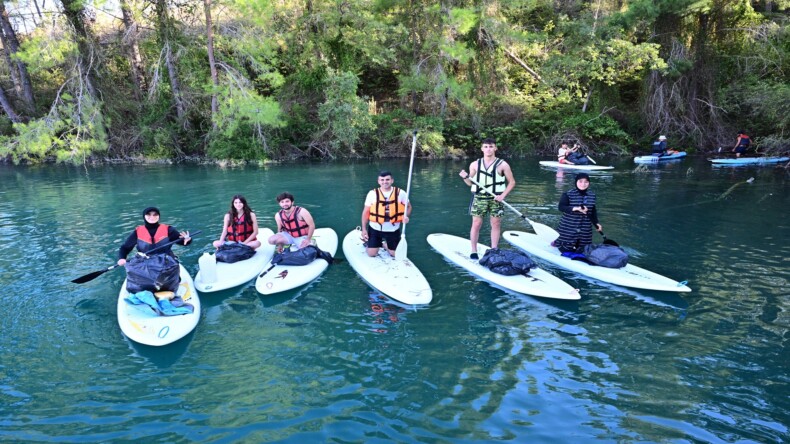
pixel 652 159
pixel 226 275
pixel 750 160
pixel 628 276
pixel 399 279
pixel 279 278
pixel 555 164
pixel 140 324
pixel 537 283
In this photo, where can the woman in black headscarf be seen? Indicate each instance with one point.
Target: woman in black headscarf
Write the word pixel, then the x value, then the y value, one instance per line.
pixel 151 235
pixel 579 214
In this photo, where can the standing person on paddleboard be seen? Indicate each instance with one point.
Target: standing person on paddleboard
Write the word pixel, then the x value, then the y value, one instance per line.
pixel 239 225
pixel 495 175
pixel 151 235
pixel 386 208
pixel 741 144
pixel 579 214
pixel 295 225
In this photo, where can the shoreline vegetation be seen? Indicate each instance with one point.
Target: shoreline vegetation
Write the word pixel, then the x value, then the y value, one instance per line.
pixel 253 81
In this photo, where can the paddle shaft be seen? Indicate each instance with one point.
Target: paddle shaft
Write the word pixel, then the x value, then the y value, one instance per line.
pixel 267 270
pixel 471 179
pixel 408 183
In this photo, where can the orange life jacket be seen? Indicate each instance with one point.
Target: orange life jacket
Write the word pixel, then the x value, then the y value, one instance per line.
pixel 293 225
pixel 387 210
pixel 144 241
pixel 240 229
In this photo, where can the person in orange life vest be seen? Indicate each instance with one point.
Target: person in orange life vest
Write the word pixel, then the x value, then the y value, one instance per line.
pixel 742 144
pixel 240 224
pixel 151 235
pixel 295 225
pixel 494 175
pixel 386 208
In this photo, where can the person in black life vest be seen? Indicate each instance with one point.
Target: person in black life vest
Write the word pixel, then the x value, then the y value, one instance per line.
pixel 295 225
pixel 742 144
pixel 660 146
pixel 151 235
pixel 495 175
pixel 386 208
pixel 579 215
pixel 239 225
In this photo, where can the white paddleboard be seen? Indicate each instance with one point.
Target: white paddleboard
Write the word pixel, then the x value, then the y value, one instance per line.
pixel 238 273
pixel 652 159
pixel 140 324
pixel 537 283
pixel 279 278
pixel 750 160
pixel 628 276
pixel 400 280
pixel 555 164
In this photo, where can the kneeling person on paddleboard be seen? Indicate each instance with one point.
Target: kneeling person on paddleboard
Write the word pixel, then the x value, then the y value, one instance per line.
pixel 150 236
pixel 579 214
pixel 386 208
pixel 295 225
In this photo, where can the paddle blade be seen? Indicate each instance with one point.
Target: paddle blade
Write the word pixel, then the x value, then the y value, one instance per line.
pixel 402 250
pixel 544 232
pixel 91 276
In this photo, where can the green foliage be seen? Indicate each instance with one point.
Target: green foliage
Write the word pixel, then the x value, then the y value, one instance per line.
pixel 45 49
pixel 343 112
pixel 245 109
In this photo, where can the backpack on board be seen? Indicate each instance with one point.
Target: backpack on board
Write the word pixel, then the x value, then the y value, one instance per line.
pixel 159 272
pixel 507 262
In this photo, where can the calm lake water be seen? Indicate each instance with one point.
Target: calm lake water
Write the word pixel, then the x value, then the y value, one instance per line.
pixel 335 362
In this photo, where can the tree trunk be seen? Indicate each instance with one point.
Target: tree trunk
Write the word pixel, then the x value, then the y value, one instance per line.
pixel 133 48
pixel 75 13
pixel 165 30
pixel 11 44
pixel 8 108
pixel 211 63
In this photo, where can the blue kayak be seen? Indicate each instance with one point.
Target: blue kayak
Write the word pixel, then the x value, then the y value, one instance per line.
pixel 750 160
pixel 657 158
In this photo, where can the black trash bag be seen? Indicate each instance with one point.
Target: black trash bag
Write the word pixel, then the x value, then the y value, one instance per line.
pixel 159 272
pixel 507 262
pixel 608 256
pixel 302 256
pixel 234 252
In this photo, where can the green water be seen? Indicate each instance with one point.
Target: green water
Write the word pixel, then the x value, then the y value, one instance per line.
pixel 335 362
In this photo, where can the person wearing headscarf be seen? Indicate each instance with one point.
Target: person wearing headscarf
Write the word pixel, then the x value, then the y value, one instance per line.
pixel 579 215
pixel 151 235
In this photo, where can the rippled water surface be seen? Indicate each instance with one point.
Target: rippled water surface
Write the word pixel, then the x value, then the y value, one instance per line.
pixel 336 362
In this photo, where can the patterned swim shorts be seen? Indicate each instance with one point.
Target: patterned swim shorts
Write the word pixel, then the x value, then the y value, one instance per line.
pixel 486 206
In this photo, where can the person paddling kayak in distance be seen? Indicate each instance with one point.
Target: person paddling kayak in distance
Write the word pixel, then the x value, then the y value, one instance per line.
pixel 660 146
pixel 151 235
pixel 239 225
pixel 494 175
pixel 741 144
pixel 385 210
pixel 579 214
pixel 295 225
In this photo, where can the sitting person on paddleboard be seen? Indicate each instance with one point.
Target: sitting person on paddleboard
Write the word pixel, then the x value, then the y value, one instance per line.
pixel 151 235
pixel 239 225
pixel 660 147
pixel 742 144
pixel 495 176
pixel 295 225
pixel 564 153
pixel 386 208
pixel 579 214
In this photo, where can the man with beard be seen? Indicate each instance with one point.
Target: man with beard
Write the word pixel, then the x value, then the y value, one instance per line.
pixel 295 225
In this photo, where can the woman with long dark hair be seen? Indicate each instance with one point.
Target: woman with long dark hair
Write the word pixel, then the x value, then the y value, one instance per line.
pixel 240 224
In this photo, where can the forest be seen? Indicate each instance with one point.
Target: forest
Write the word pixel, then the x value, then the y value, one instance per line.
pixel 270 80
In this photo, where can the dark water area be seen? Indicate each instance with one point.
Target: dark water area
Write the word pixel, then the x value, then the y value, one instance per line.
pixel 337 362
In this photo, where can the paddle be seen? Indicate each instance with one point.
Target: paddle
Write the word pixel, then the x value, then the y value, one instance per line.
pixel 93 275
pixel 543 231
pixel 402 249
pixel 267 270
pixel 607 241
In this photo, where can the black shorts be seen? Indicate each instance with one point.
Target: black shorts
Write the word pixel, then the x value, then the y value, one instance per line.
pixel 391 237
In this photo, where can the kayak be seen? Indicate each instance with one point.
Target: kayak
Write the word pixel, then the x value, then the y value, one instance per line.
pixel 141 324
pixel 399 279
pixel 279 278
pixel 555 164
pixel 628 276
pixel 652 159
pixel 538 283
pixel 217 276
pixel 750 160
